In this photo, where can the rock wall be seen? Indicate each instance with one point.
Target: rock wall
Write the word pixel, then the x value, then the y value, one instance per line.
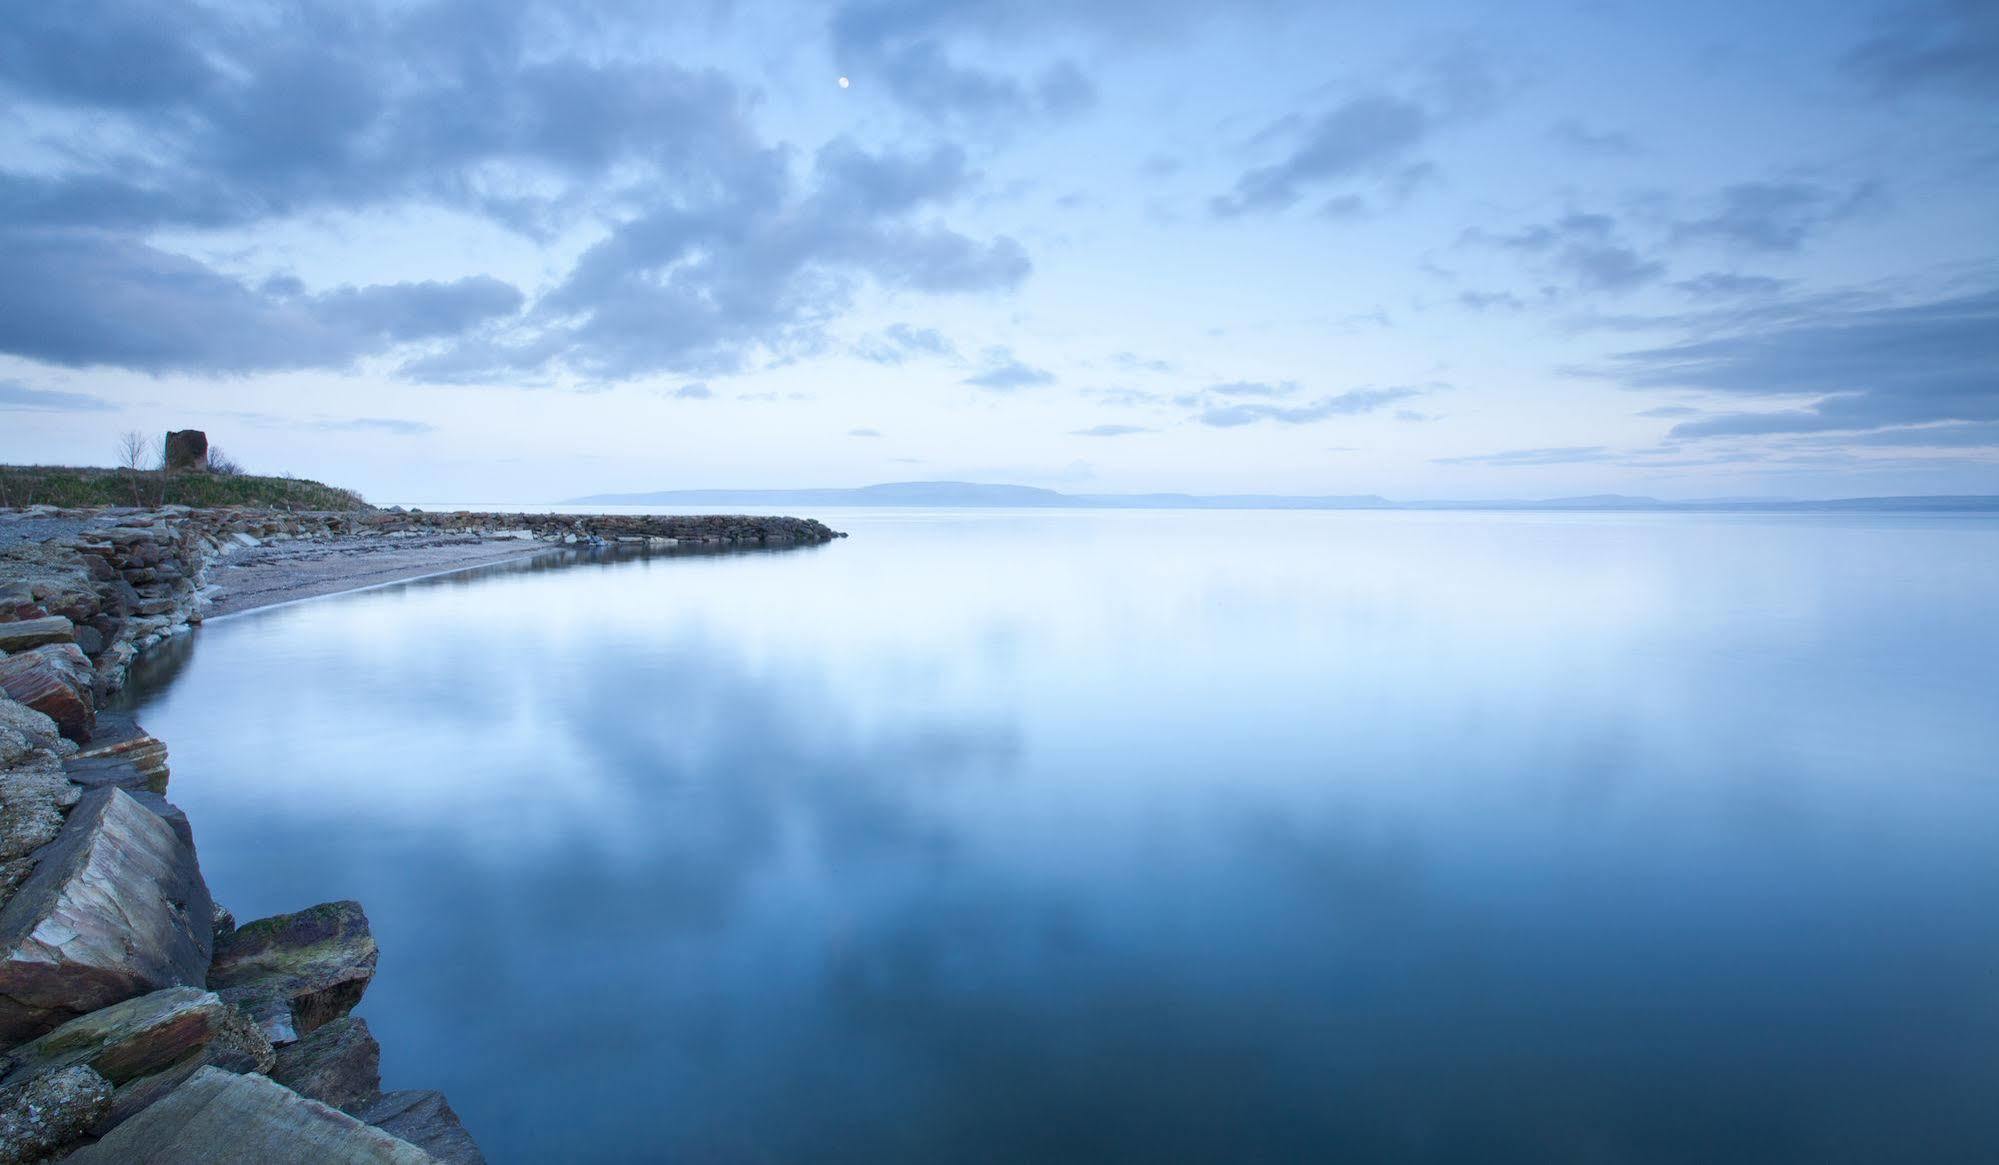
pixel 136 1019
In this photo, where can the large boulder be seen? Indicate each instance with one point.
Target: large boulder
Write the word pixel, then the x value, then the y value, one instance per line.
pixel 219 1118
pixel 56 681
pixel 40 1116
pixel 115 908
pixel 425 1119
pixel 292 973
pixel 338 1064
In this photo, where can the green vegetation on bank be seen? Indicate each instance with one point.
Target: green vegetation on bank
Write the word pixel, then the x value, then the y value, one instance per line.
pixel 54 485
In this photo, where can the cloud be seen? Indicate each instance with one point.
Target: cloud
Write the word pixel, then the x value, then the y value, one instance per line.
pixel 1726 285
pixel 1671 411
pixel 898 343
pixel 1869 367
pixel 1488 300
pixel 1557 455
pixel 1110 431
pixel 1132 362
pixel 1579 138
pixel 80 299
pixel 703 287
pixel 696 390
pixel 1950 48
pixel 720 249
pixel 912 52
pixel 1371 137
pixel 20 398
pixel 1240 388
pixel 1005 373
pixel 1586 247
pixel 1773 216
pixel 864 432
pixel 1127 397
pixel 1346 404
pixel 1982 434
pixel 393 426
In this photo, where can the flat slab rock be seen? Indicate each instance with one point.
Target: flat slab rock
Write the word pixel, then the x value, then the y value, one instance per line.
pixel 96 771
pixel 22 634
pixel 220 1118
pixel 115 908
pixel 292 973
pixel 425 1120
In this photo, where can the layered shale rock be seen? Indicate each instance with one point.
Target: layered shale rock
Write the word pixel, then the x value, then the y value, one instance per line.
pixel 54 680
pixel 141 1037
pixel 233 1045
pixel 339 1064
pixel 425 1119
pixel 219 1118
pixel 38 1117
pixel 294 972
pixel 115 908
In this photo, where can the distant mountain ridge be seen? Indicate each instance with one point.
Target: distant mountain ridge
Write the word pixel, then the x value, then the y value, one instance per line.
pixel 967 494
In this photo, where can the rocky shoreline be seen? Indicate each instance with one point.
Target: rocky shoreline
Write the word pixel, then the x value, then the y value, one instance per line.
pixel 137 1019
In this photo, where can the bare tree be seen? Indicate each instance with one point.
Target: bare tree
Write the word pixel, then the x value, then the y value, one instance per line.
pixel 221 464
pixel 134 451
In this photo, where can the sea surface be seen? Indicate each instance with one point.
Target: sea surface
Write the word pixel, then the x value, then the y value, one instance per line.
pixel 1097 835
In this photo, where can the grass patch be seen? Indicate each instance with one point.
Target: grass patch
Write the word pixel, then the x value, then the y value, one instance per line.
pixel 55 485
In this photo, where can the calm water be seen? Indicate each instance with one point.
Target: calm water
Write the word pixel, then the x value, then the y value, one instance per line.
pixel 1085 836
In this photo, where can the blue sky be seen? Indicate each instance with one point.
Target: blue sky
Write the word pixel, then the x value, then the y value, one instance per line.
pixel 518 251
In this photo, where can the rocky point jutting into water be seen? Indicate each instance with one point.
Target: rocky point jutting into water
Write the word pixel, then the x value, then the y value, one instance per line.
pixel 137 1019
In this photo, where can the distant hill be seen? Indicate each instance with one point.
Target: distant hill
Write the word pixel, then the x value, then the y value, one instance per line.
pixel 57 485
pixel 972 494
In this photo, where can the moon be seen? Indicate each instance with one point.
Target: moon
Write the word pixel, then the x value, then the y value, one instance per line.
pixel 844 82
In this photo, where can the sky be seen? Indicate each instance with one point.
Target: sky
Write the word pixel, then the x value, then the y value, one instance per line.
pixel 515 251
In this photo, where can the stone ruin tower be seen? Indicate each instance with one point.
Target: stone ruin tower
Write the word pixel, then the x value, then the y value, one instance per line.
pixel 187 449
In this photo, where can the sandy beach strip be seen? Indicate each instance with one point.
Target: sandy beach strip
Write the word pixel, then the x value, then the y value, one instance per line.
pixel 284 572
